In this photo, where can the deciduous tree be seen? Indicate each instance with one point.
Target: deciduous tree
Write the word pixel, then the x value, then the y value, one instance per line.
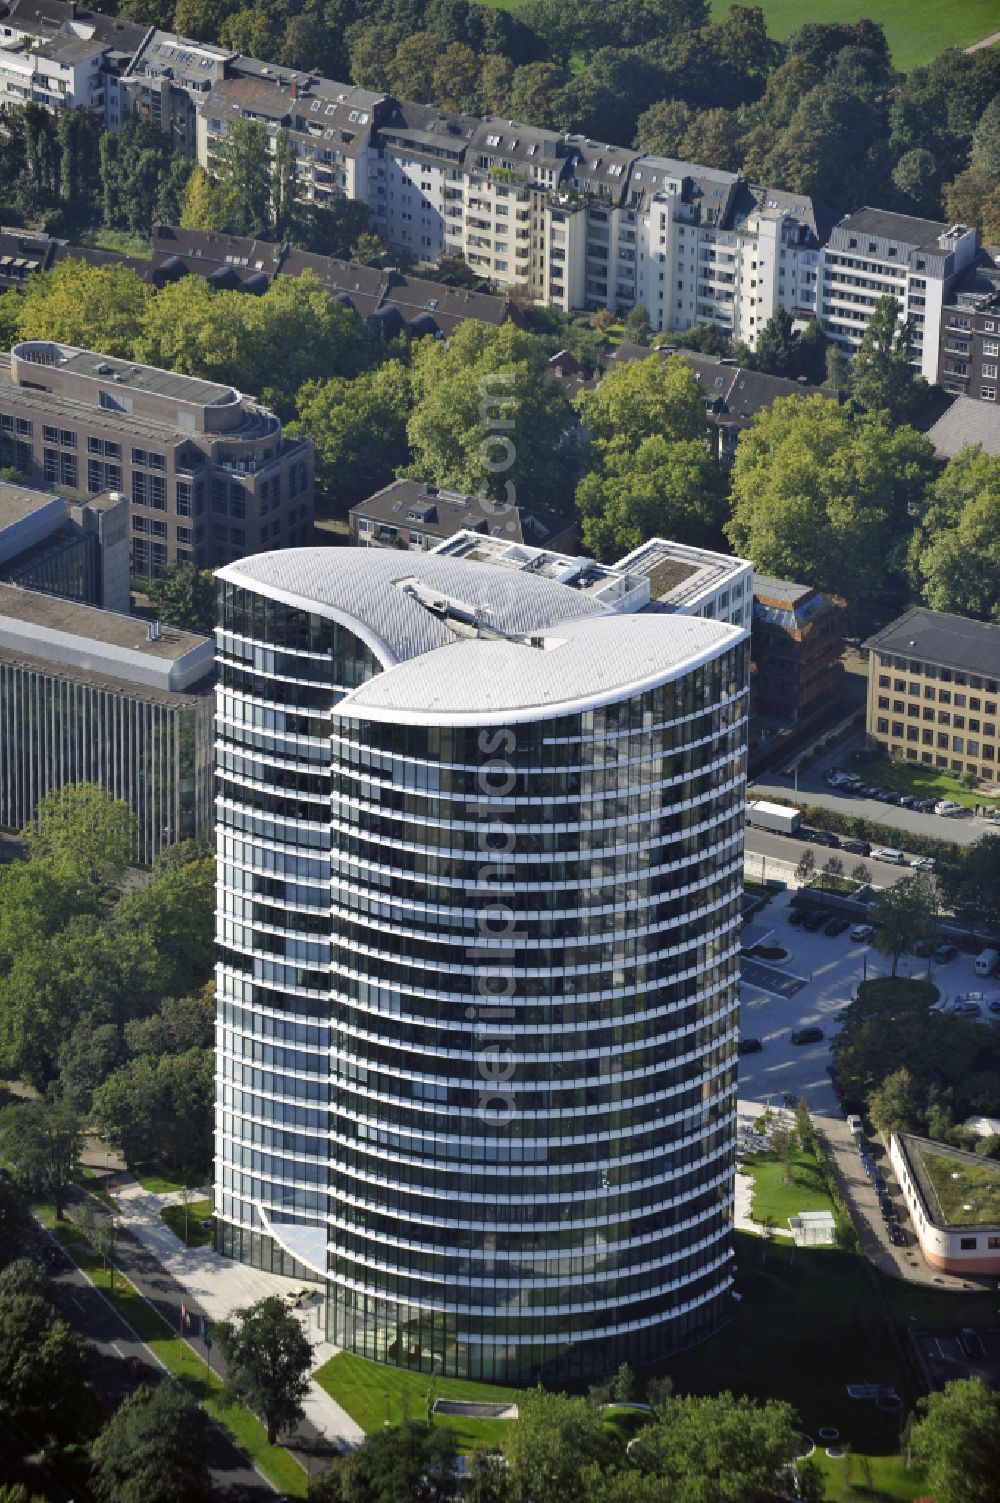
pixel 42 1141
pixel 954 557
pixel 268 1357
pixel 153 1450
pixel 957 1442
pixel 903 914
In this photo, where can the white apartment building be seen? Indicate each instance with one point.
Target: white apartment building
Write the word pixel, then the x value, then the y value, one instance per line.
pixel 570 222
pixel 66 70
pixel 873 253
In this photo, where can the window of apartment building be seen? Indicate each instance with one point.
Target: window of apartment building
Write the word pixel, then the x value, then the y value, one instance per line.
pixel 967 1244
pixel 988 393
pixel 928 714
pixel 944 696
pixel 883 681
pixel 942 741
pixel 958 743
pixel 913 712
pixel 185 535
pixel 991 347
pixel 882 726
pixel 883 701
pixel 189 498
pixel 990 372
pixel 219 532
pixel 927 737
pixel 897 728
pixel 105 446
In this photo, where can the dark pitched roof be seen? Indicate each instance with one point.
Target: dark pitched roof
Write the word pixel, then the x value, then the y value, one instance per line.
pixel 442 513
pixel 966 422
pixel 395 299
pixel 947 641
pixel 44 18
pixel 924 234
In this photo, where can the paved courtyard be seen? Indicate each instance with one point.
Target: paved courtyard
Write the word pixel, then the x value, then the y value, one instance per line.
pixel 829 970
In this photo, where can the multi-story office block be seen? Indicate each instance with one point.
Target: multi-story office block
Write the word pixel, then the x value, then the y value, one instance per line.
pixel 934 692
pixel 79 551
pixel 89 696
pixel 797 674
pixel 480 825
pixel 969 353
pixel 874 253
pixel 208 473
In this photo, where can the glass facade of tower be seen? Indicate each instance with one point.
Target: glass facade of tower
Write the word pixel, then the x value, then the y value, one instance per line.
pixel 477 1006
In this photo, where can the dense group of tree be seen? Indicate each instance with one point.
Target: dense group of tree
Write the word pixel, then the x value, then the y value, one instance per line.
pixel 836 486
pixel 105 1002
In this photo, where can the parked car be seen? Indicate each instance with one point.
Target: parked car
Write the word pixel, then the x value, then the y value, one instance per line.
pixel 835 926
pixel 750 1046
pixel 862 933
pixel 944 953
pixel 967 1009
pixel 813 920
pixel 857 847
pixel 807 1036
pixel 796 917
pixel 972 1346
pixel 823 837
pixel 889 854
pixel 908 801
pixel 896 1234
pixel 923 863
pixel 296 1297
pixel 926 805
pixel 948 808
pixel 885 795
pixel 878 1180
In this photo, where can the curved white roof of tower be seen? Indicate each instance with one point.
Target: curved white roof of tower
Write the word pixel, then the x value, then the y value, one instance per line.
pixel 570 653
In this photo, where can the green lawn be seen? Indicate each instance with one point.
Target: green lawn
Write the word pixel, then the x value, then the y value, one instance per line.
pixel 772 1197
pixel 924 782
pixel 625 1422
pixel 118 240
pixel 197 1212
pixel 976 1185
pixel 917 29
pixel 246 1430
pixel 155 1178
pixel 805 1327
pixel 372 1392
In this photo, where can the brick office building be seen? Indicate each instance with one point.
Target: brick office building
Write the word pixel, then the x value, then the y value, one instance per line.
pixel 208 472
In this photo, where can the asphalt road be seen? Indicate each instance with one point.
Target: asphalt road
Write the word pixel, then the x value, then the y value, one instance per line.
pixel 788 849
pixel 94 1317
pixel 812 789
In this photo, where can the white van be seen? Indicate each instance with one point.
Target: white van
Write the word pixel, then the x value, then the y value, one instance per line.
pixel 987 963
pixel 886 853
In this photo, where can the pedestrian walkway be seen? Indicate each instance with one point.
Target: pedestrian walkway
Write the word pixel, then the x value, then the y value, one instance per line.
pixel 219 1285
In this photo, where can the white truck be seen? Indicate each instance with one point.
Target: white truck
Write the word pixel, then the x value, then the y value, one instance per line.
pixel 987 963
pixel 776 817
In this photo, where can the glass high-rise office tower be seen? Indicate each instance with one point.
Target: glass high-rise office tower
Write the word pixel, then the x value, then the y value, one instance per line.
pixel 480 864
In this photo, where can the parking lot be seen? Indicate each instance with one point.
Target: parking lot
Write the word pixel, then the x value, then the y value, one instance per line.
pixel 945 1356
pixel 829 970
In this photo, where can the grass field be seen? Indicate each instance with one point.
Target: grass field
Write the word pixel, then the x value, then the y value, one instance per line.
pixel 923 782
pixel 197 1212
pixel 772 1197
pixel 917 29
pixel 372 1393
pixel 154 1178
